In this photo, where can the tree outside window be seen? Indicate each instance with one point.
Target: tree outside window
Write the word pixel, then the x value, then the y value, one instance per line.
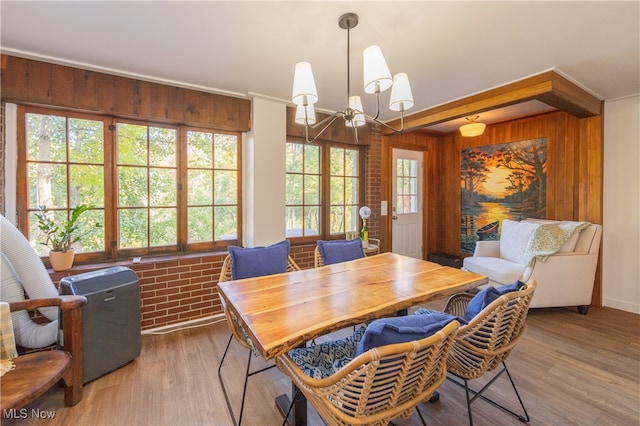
pixel 134 177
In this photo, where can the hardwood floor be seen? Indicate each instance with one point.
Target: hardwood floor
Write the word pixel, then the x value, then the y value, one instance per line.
pixel 570 369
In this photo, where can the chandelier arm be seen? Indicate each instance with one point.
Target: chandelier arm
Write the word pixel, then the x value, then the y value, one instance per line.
pixel 390 127
pixel 377 103
pixel 331 119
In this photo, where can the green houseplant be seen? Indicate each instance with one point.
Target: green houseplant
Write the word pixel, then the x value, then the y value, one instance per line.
pixel 60 237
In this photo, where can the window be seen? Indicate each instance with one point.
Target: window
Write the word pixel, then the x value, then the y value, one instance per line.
pixel 212 176
pixel 344 190
pixel 155 188
pixel 303 190
pixel 407 186
pixel 65 167
pixel 323 190
pixel 146 180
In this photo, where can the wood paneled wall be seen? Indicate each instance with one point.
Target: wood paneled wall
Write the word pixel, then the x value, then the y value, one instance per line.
pixel 574 173
pixel 26 81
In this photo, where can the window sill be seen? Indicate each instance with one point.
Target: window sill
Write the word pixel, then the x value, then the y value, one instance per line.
pixel 145 263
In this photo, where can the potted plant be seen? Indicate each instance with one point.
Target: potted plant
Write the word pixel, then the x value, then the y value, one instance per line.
pixel 61 237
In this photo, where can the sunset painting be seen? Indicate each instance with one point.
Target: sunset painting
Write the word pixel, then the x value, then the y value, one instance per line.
pixel 504 181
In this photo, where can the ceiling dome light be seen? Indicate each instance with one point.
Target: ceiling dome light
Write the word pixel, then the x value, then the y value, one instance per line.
pixel 473 128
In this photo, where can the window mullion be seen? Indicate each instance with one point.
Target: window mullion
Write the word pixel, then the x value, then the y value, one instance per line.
pixel 182 183
pixel 111 189
pixel 325 193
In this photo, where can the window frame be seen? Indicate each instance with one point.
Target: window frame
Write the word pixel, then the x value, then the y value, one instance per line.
pixel 325 187
pixel 110 225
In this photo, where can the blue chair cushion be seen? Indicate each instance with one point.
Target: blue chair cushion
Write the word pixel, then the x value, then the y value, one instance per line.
pixel 324 359
pixel 387 331
pixel 486 296
pixel 336 251
pixel 259 261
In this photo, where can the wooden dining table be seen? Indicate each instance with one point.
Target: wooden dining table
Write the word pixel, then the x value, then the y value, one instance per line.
pixel 284 311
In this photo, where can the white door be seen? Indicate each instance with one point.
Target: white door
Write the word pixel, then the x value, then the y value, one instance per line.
pixel 406 203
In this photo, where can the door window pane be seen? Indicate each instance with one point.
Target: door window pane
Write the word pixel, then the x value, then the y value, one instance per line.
pixel 406 186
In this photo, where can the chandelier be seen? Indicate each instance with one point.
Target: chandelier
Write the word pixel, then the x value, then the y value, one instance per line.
pixel 377 79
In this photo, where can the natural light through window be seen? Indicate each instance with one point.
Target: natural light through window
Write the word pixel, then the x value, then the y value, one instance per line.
pixel 407 186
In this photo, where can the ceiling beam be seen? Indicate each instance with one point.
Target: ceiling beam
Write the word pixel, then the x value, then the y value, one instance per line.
pixel 548 87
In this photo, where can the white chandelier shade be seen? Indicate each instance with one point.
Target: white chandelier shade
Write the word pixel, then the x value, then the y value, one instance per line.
pixel 309 117
pixel 355 103
pixel 377 76
pixel 401 97
pixel 304 86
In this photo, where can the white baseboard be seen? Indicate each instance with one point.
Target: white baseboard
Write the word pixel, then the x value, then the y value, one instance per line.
pixel 622 305
pixel 184 324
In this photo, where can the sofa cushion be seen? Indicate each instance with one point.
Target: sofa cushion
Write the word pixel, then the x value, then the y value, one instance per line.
pixel 514 238
pixel 499 270
pixel 259 261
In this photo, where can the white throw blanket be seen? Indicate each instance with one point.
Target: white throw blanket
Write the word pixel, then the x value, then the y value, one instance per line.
pixel 548 238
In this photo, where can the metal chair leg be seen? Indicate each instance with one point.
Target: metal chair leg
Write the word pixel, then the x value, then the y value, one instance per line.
pixel 244 388
pixel 479 394
pixel 293 400
pixel 469 401
pixel 420 414
pixel 524 418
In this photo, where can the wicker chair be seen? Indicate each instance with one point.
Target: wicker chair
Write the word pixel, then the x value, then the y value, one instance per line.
pixel 382 384
pixel 374 247
pixel 318 261
pixel 487 340
pixel 338 256
pixel 240 336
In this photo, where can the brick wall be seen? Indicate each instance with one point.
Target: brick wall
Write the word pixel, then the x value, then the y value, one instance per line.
pixel 373 195
pixel 175 290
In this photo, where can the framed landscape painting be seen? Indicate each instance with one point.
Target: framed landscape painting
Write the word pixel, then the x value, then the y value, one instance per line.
pixel 503 181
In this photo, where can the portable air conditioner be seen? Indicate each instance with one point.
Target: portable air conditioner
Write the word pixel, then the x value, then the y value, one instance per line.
pixel 110 319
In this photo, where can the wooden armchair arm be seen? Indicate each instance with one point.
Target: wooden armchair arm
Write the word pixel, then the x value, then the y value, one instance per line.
pixel 71 319
pixel 64 302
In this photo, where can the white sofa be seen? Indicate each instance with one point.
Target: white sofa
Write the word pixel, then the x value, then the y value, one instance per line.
pixel 565 278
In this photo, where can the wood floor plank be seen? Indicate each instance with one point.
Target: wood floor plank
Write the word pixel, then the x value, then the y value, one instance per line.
pixel 570 369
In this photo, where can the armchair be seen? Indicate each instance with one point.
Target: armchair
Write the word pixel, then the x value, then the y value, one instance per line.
pixel 32 374
pixel 565 274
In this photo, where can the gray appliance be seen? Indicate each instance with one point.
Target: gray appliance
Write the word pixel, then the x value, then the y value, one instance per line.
pixel 110 319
